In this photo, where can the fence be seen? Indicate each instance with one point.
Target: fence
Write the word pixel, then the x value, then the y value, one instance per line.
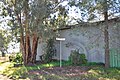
pixel 115 58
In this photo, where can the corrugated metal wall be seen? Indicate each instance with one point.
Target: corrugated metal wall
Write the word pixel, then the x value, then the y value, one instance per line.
pixel 115 58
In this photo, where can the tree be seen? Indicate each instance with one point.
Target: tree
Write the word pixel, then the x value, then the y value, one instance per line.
pixel 4 41
pixel 5 35
pixel 49 51
pixel 30 21
pixel 106 34
pixel 92 10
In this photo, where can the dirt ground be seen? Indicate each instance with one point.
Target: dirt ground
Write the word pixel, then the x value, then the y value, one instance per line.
pixel 69 71
pixel 4 78
pixel 66 71
pixel 3 59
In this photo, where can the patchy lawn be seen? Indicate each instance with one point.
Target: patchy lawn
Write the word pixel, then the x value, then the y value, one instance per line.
pixel 52 71
pixel 57 73
pixel 75 73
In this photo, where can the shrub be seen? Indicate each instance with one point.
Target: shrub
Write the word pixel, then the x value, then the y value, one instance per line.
pixel 76 58
pixel 83 59
pixel 11 57
pixel 17 58
pixel 49 51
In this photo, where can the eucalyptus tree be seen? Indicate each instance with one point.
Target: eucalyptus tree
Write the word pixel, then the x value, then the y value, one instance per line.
pixel 5 36
pixel 46 16
pixel 14 10
pixel 4 41
pixel 93 10
pixel 31 21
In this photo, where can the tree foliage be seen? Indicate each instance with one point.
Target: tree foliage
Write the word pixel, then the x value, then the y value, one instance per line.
pixel 5 38
pixel 30 21
pixel 94 9
pixel 50 50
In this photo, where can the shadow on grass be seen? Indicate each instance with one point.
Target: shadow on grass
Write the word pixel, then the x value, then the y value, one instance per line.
pixel 52 71
pixel 46 65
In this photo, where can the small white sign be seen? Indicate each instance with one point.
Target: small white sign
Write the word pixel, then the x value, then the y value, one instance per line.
pixel 60 39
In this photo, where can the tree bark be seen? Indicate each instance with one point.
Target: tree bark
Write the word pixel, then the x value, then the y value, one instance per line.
pixel 34 47
pixel 22 38
pixel 3 54
pixel 23 48
pixel 28 49
pixel 27 36
pixel 106 35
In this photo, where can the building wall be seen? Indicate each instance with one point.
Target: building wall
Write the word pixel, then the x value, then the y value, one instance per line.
pixel 40 50
pixel 88 40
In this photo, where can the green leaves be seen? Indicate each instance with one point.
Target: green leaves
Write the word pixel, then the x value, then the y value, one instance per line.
pixel 5 38
pixel 49 50
pixel 93 9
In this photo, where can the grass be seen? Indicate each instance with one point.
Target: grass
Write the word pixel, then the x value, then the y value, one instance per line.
pixel 95 73
pixel 51 64
pixel 8 69
pixel 102 73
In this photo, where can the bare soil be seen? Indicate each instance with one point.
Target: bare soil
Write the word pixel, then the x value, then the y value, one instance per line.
pixel 68 71
pixel 4 78
pixel 3 59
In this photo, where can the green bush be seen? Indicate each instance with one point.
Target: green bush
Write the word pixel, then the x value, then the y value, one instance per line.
pixel 16 57
pixel 76 58
pixel 49 51
pixel 11 57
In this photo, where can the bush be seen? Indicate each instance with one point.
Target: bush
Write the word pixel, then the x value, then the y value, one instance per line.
pixel 11 57
pixel 76 58
pixel 49 51
pixel 17 58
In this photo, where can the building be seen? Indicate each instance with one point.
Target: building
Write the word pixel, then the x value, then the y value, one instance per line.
pixel 88 38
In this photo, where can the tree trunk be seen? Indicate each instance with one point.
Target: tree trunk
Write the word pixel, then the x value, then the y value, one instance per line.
pixel 27 35
pixel 22 38
pixel 34 47
pixel 29 56
pixel 3 54
pixel 106 35
pixel 23 48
